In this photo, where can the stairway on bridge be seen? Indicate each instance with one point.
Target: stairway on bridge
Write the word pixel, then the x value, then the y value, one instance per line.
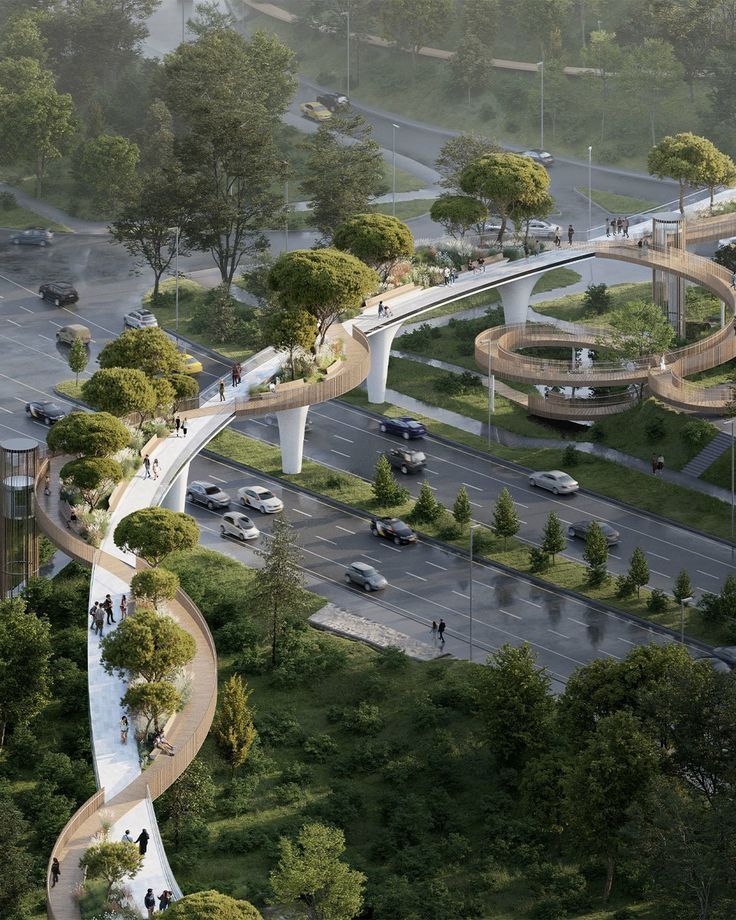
pixel 708 455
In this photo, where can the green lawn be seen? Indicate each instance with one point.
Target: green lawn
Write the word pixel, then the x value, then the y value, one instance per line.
pixel 452 343
pixel 617 204
pixel 22 219
pixel 724 373
pixel 570 307
pixel 719 473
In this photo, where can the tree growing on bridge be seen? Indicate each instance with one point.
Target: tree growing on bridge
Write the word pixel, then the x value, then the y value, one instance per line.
pixel 112 862
pixel 93 434
pixel 212 905
pixel 155 701
pixel 155 585
pixel 149 646
pixel 94 477
pixel 155 533
pixel 682 158
pixel 293 331
pixel 379 240
pixel 121 391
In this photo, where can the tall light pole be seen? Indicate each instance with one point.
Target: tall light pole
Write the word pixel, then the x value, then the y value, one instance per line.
pixel 540 65
pixel 347 77
pixel 491 391
pixel 732 485
pixel 590 190
pixel 470 591
pixel 177 231
pixel 683 603
pixel 394 129
pixel 286 216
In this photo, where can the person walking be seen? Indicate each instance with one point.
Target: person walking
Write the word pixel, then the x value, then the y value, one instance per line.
pixel 124 728
pixel 441 630
pixel 446 275
pixel 626 227
pixel 239 371
pixel 481 263
pixel 380 309
pixel 177 425
pixel 570 234
pixel 123 607
pixel 184 427
pixel 107 604
pixel 93 614
pixel 434 629
pixel 526 249
pixel 222 391
pixel 608 227
pixel 234 375
pixel 146 467
pixel 536 247
pixel 99 620
pixel 126 838
pixel 558 241
pixel 156 468
pixel 142 841
pixel 660 464
pixel 620 225
pixel 47 485
pixel 150 902
pixel 55 871
pixel 164 899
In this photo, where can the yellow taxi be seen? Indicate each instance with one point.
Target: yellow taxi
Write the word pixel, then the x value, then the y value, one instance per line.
pixel 315 111
pixel 192 365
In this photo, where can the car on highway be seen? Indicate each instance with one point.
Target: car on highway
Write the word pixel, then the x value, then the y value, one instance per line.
pixel 335 102
pixel 580 529
pixel 315 111
pixel 68 335
pixel 59 293
pixel 405 426
pixel 555 481
pixel 261 499
pixel 408 461
pixel 238 525
pixel 366 576
pixel 201 492
pixel 36 236
pixel 539 156
pixel 393 529
pixel 139 319
pixel 192 365
pixel 45 411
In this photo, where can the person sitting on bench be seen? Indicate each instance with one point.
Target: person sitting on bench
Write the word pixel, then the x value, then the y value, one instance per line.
pixel 160 742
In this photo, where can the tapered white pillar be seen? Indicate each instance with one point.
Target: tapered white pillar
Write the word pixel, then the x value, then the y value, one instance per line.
pixel 291 435
pixel 380 343
pixel 515 298
pixel 175 499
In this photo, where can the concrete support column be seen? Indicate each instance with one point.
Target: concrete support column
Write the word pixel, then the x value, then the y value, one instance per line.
pixel 723 314
pixel 291 435
pixel 175 499
pixel 515 298
pixel 380 343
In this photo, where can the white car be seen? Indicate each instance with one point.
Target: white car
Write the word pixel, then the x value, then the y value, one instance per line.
pixel 555 481
pixel 139 319
pixel 542 229
pixel 235 524
pixel 726 242
pixel 261 499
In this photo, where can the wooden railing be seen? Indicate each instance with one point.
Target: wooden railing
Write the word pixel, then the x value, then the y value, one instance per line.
pixel 560 407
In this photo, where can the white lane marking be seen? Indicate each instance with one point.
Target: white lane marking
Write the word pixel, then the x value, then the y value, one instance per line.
pixel 415 576
pixel 433 488
pixel 564 521
pixel 521 522
pixel 468 486
pixel 340 527
pixel 256 422
pixel 9 411
pixel 704 590
pixel 14 323
pixel 19 399
pixel 341 438
pixel 611 655
pixel 31 348
pixel 555 633
pixel 90 321
pixel 627 641
pixel 22 287
pixel 707 574
pixel 24 433
pixel 372 558
pixel 394 549
pixel 506 612
pixel 460 594
pixel 530 602
pixel 475 504
pixel 579 622
pixel 614 557
pixel 650 553
pixel 521 505
pixel 42 336
pixel 325 540
pixel 435 566
pixel 209 529
pixel 339 453
pixel 299 511
pixel 58 325
pixel 431 472
pixel 476 582
pixel 665 575
pixel 217 479
pixel 26 309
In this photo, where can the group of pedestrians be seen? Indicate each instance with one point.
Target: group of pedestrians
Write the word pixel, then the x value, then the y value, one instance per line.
pixel 532 250
pixel 180 424
pixel 101 613
pixel 235 373
pixel 657 464
pixel 151 470
pixel 384 311
pixel 616 225
pixel 449 275
pixel 438 631
pixel 164 900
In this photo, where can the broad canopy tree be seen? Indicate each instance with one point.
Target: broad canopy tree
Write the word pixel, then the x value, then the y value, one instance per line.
pixel 155 533
pixel 691 160
pixel 147 350
pixel 377 239
pixel 121 391
pixel 89 434
pixel 293 332
pixel 94 477
pixel 212 905
pixel 457 153
pixel 458 213
pixel 147 646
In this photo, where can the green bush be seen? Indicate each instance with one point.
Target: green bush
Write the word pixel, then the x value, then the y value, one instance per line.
pixel 7 201
pixel 697 433
pixel 597 299
pixel 597 433
pixel 363 719
pixel 654 428
pixel 279 728
pixel 657 602
pixel 319 747
pixel 625 587
pixel 570 456
pixel 539 561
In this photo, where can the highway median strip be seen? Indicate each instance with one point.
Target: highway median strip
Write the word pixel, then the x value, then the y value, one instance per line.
pixel 350 490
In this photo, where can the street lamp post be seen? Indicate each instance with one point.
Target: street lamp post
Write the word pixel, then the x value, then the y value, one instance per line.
pixel 347 75
pixel 286 217
pixel 177 231
pixel 590 191
pixel 540 65
pixel 491 391
pixel 394 129
pixel 684 601
pixel 470 591
pixel 732 486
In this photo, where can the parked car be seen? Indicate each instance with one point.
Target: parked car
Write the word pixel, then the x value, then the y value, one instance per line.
pixel 261 499
pixel 539 156
pixel 139 319
pixel 393 529
pixel 45 411
pixel 335 102
pixel 192 365
pixel 201 492
pixel 542 230
pixel 59 293
pixel 236 524
pixel 555 481
pixel 36 236
pixel 369 579
pixel 315 111
pixel 405 426
pixel 580 529
pixel 67 335
pixel 408 461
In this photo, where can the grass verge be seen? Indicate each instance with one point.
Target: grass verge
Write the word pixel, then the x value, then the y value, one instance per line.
pixel 357 493
pixel 70 388
pixel 19 218
pixel 716 376
pixel 617 204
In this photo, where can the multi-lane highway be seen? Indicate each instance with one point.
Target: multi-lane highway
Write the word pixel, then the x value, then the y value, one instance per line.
pixel 427 583
pixel 349 439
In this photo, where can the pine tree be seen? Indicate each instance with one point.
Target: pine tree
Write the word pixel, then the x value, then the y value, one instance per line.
pixel 388 493
pixel 683 587
pixel 426 508
pixel 461 509
pixel 233 728
pixel 553 536
pixel 638 570
pixel 505 519
pixel 78 358
pixel 596 555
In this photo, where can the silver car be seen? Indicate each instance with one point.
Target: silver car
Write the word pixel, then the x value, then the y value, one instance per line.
pixel 36 236
pixel 365 576
pixel 261 499
pixel 580 529
pixel 208 494
pixel 555 481
pixel 236 524
pixel 139 319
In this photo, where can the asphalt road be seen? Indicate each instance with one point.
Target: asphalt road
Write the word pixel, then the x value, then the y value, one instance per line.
pixel 426 583
pixel 349 439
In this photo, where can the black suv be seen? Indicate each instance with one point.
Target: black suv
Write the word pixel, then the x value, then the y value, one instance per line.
pixel 393 529
pixel 59 293
pixel 335 102
pixel 408 461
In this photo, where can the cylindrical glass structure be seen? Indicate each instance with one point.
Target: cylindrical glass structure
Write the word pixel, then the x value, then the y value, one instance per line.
pixel 668 289
pixel 19 459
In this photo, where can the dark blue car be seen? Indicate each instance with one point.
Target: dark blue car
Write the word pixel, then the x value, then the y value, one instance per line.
pixel 405 427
